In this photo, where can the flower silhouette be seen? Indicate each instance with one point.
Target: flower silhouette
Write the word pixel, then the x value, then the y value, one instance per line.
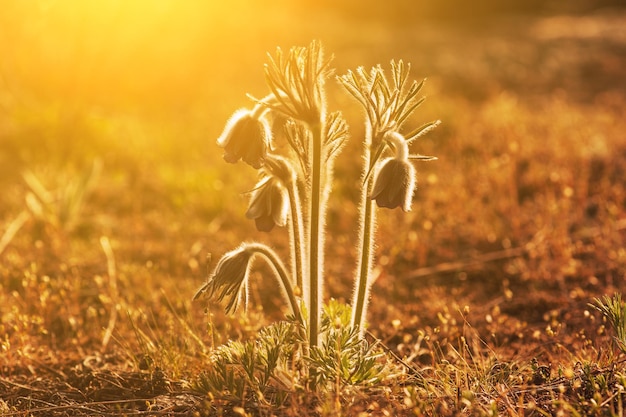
pixel 268 205
pixel 230 279
pixel 394 184
pixel 246 137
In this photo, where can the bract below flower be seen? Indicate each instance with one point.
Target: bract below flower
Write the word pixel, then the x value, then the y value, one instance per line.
pixel 229 279
pixel 394 184
pixel 268 205
pixel 246 137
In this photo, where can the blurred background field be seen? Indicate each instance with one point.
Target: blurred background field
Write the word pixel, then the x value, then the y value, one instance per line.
pixel 522 218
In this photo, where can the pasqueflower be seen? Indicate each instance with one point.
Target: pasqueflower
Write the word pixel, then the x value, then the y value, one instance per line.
pixel 394 184
pixel 269 205
pixel 230 279
pixel 246 136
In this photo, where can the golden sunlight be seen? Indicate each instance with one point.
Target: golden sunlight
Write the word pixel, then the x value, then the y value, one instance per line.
pixel 119 51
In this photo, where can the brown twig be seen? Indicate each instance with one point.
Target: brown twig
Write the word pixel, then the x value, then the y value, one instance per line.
pixel 111 271
pixel 467 263
pixel 447 267
pixel 90 408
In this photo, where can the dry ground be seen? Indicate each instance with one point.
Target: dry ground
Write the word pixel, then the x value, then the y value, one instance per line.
pixel 517 227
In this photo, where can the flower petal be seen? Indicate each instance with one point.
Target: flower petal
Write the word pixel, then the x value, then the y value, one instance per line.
pixel 245 137
pixel 394 184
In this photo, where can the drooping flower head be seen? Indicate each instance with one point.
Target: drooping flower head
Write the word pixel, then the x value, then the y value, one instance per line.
pixel 229 279
pixel 247 136
pixel 395 182
pixel 269 204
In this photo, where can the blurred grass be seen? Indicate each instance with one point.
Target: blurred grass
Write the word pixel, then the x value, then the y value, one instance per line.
pixel 532 149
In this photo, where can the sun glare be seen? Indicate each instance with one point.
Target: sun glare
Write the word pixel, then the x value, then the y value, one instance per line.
pixel 118 50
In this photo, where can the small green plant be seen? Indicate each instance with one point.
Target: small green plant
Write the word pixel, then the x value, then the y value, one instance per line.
pixel 293 191
pixel 259 368
pixel 343 358
pixel 614 311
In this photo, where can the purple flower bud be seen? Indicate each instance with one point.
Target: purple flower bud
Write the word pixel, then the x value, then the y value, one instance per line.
pixel 268 205
pixel 394 184
pixel 246 136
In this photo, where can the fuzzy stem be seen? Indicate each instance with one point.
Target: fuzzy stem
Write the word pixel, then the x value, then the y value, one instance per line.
pixel 259 110
pixel 400 145
pixel 283 276
pixel 315 235
pixel 367 221
pixel 296 233
pixel 361 295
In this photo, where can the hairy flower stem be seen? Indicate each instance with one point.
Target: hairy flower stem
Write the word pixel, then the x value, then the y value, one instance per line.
pixel 296 234
pixel 315 236
pixel 283 276
pixel 361 295
pixel 367 221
